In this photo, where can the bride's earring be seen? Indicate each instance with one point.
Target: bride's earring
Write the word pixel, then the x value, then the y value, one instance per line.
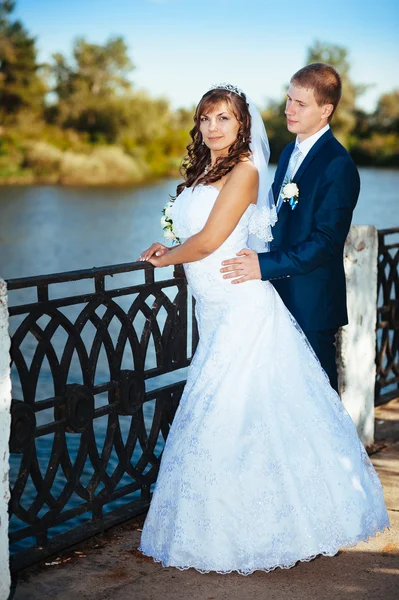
pixel 203 143
pixel 243 139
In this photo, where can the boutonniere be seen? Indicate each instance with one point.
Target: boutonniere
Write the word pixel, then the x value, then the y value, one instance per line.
pixel 290 194
pixel 167 224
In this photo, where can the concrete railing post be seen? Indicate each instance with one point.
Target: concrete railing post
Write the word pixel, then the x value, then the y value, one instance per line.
pixel 356 341
pixel 5 424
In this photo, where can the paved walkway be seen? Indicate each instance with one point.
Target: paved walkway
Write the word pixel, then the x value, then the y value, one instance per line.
pixel 109 567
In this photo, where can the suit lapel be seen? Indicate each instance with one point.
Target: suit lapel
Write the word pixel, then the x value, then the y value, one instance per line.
pixel 285 209
pixel 281 172
pixel 312 153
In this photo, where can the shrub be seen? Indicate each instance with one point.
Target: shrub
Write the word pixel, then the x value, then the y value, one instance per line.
pixel 43 158
pixel 105 165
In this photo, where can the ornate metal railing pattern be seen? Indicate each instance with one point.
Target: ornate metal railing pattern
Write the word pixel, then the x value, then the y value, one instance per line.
pixel 70 415
pixel 387 338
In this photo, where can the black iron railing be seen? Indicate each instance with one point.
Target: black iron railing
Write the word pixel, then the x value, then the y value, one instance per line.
pixel 387 338
pixel 93 395
pixel 91 411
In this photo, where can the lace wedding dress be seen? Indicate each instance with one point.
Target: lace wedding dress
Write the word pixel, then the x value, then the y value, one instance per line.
pixel 262 466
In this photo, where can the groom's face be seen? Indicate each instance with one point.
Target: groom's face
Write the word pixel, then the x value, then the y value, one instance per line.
pixel 304 116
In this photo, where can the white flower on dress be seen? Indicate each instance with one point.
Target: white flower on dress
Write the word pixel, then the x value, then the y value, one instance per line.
pixel 167 223
pixel 169 235
pixel 168 210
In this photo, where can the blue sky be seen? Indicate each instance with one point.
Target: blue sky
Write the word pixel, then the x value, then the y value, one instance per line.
pixel 181 47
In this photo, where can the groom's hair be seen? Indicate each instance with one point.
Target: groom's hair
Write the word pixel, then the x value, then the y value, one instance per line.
pixel 325 82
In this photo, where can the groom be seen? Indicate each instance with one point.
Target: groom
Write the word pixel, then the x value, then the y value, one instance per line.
pixel 305 262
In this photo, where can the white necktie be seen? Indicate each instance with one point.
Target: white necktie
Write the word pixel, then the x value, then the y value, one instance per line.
pixel 290 170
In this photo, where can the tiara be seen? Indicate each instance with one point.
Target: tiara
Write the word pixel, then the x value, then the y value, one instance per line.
pixel 227 86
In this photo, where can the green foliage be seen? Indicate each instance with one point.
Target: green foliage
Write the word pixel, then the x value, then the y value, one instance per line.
pixel 377 135
pixel 372 139
pixel 107 165
pixel 386 116
pixel 21 86
pixel 276 126
pixel 344 119
pixel 93 91
pixel 97 129
pixel 103 165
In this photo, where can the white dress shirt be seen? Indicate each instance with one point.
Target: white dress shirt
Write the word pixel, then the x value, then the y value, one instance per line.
pixel 306 145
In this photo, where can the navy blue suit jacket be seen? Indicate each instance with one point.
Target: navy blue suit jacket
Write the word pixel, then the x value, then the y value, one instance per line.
pixel 305 262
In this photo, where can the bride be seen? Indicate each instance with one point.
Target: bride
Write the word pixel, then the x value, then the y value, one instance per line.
pixel 262 466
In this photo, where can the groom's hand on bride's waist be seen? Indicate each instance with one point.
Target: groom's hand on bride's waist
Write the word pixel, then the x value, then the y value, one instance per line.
pixel 243 268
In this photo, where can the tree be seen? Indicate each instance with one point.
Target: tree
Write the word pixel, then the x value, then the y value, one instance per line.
pixel 103 69
pixel 21 86
pixel 91 90
pixel 344 119
pixel 376 135
pixel 386 116
pixel 276 126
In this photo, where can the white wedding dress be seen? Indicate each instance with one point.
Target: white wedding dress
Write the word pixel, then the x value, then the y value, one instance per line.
pixel 262 466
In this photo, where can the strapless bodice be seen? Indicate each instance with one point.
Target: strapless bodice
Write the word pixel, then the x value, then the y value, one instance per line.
pixel 190 212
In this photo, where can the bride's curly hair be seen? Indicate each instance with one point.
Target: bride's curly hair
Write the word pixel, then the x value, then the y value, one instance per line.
pixel 198 154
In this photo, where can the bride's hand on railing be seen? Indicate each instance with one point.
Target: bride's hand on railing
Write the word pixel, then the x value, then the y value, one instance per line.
pixel 155 249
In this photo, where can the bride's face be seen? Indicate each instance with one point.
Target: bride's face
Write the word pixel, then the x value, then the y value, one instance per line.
pixel 219 128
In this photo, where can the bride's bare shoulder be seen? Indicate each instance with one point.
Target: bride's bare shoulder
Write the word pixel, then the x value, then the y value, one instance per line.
pixel 244 170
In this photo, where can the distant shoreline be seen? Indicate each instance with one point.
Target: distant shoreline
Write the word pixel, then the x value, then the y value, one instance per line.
pixel 27 178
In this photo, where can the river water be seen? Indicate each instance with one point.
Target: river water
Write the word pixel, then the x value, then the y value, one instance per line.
pixel 52 229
